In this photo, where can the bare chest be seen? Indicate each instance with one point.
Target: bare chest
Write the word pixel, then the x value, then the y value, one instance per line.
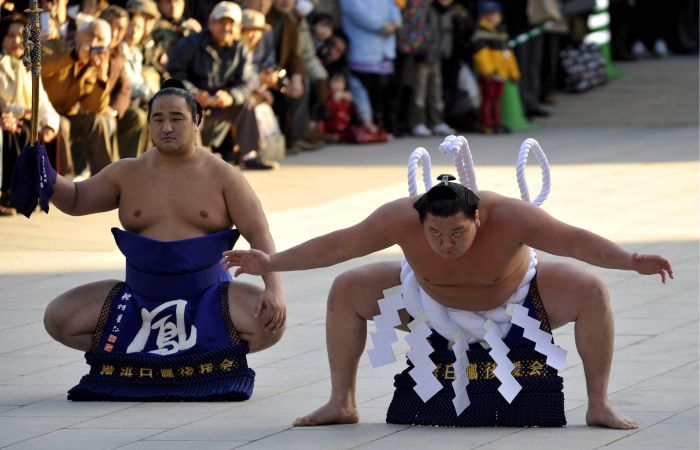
pixel 172 207
pixel 481 279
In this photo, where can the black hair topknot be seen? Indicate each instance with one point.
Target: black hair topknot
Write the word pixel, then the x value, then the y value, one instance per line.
pixel 446 199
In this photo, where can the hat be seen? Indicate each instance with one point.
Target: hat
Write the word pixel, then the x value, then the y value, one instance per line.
pixel 304 7
pixel 254 19
pixel 489 7
pixel 227 10
pixel 147 7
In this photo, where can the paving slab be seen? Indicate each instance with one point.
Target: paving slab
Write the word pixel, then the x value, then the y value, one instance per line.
pixel 625 164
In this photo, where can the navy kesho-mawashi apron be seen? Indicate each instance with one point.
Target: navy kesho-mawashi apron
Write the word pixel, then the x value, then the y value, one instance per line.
pixel 166 333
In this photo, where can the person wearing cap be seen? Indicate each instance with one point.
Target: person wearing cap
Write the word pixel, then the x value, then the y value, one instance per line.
pixel 253 28
pixel 153 61
pixel 494 63
pixel 177 309
pixel 219 69
pixel 469 252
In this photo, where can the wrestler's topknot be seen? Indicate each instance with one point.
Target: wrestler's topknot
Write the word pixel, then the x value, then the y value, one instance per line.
pixel 447 199
pixel 173 86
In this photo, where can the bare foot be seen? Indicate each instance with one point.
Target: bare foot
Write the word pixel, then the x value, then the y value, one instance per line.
pixel 328 414
pixel 607 416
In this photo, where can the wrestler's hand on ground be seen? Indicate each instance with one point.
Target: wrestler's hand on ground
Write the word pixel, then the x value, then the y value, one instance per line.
pixel 252 262
pixel 651 264
pixel 272 309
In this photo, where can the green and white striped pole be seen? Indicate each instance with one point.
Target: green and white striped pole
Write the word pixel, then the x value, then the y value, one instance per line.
pixel 599 34
pixel 512 114
pixel 519 39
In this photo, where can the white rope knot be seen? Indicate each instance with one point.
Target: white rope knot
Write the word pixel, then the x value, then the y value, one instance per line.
pixel 528 145
pixel 419 155
pixel 462 156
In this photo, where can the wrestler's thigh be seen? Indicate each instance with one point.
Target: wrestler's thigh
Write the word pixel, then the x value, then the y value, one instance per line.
pixel 363 286
pixel 76 311
pixel 242 298
pixel 565 290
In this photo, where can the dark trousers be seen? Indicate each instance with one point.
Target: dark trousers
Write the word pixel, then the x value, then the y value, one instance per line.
pixel 427 107
pixel 237 121
pixel 491 93
pixel 12 144
pixel 529 56
pixel 89 140
pixel 380 97
pixel 132 133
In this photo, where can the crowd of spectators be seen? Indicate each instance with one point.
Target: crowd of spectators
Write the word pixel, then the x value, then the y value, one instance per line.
pixel 276 77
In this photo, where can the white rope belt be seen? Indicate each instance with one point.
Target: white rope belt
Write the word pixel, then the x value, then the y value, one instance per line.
pixel 461 327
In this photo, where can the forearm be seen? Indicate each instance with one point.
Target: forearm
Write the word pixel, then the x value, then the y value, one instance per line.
pixel 602 252
pixel 322 251
pixel 264 243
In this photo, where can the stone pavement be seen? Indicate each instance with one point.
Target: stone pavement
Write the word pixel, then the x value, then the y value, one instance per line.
pixel 624 164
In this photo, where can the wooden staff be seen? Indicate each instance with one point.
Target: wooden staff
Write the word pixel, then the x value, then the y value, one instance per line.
pixel 32 61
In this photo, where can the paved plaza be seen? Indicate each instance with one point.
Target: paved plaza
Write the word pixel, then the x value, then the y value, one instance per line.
pixel 624 163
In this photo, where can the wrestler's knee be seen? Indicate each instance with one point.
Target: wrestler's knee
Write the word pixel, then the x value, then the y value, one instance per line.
pixel 53 322
pixel 596 295
pixel 261 339
pixel 343 285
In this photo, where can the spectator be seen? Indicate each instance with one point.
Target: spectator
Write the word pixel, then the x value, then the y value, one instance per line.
pixel 169 28
pixel 264 56
pixel 312 111
pixel 286 37
pixel 529 55
pixel 153 65
pixel 322 27
pixel 494 63
pixel 272 141
pixel 140 89
pixel 130 119
pixel 335 62
pixel 218 68
pixel 372 50
pixel 77 80
pixel 427 106
pixel 460 89
pixel 16 105
pixel 337 126
pixel 55 22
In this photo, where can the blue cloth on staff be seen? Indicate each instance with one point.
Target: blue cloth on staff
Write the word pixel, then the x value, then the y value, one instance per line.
pixel 166 333
pixel 32 180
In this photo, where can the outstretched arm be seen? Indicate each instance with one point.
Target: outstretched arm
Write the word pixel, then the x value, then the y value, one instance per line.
pixel 34 182
pixel 544 232
pixel 371 235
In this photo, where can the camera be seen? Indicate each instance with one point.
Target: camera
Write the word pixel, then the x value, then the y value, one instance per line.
pixel 282 81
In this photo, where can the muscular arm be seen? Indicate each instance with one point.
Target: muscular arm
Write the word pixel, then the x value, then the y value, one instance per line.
pixel 96 194
pixel 371 235
pixel 541 231
pixel 247 214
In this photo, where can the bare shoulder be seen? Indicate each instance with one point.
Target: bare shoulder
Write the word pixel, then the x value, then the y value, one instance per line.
pixel 122 170
pixel 399 210
pixel 495 206
pixel 216 166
